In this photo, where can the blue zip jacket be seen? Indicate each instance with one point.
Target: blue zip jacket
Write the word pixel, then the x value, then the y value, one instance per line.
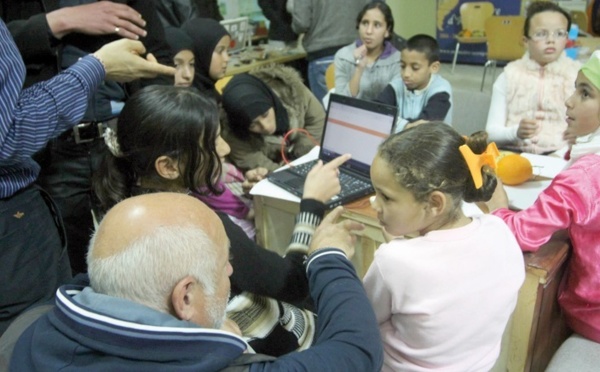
pixel 95 332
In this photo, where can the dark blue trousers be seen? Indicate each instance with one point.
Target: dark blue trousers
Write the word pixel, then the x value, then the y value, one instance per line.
pixel 33 256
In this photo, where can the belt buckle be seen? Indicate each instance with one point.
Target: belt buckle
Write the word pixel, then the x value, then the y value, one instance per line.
pixel 81 137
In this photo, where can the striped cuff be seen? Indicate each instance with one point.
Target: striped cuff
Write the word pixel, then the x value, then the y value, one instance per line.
pixel 321 252
pixel 90 71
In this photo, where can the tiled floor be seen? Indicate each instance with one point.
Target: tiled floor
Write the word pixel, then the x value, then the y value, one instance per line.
pixel 469 76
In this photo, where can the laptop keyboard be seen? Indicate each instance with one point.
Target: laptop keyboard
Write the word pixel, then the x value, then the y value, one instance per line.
pixel 304 168
pixel 350 184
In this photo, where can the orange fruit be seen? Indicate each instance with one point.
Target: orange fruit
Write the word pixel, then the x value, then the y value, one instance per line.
pixel 513 169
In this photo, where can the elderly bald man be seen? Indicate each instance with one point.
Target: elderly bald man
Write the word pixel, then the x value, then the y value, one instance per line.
pixel 159 275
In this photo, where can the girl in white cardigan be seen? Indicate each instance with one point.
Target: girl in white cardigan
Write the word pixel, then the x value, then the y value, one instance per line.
pixel 527 112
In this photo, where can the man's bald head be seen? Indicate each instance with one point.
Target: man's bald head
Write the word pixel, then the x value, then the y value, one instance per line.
pixel 140 216
pixel 146 244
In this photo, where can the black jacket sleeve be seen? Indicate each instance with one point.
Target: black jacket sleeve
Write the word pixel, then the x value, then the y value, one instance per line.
pixel 155 41
pixel 26 21
pixel 33 38
pixel 387 96
pixel 436 108
pixel 263 272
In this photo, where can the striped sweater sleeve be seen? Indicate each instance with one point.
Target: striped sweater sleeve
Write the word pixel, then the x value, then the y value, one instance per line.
pixel 310 216
pixel 30 117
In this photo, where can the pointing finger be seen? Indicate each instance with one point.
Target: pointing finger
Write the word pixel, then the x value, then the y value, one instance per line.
pixel 333 216
pixel 338 161
pixel 159 69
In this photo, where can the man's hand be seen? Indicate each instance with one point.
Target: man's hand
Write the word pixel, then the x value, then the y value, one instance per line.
pixel 333 234
pixel 123 63
pixel 252 177
pixel 323 182
pixel 99 18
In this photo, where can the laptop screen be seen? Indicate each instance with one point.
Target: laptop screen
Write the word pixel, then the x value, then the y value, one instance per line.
pixel 356 127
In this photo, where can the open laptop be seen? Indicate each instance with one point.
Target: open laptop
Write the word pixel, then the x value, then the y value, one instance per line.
pixel 352 126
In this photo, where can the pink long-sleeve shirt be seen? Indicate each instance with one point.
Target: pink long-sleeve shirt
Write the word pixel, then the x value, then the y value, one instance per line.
pixel 572 202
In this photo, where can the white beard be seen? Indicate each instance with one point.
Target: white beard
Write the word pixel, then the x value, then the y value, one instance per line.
pixel 215 308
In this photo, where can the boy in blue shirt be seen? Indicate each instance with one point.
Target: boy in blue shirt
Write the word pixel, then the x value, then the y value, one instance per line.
pixel 421 95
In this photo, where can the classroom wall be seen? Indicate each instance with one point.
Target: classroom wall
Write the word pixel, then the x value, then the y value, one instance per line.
pixel 413 17
pixel 239 8
pixel 419 16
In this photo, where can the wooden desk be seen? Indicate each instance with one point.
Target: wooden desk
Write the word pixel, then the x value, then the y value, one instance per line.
pixel 536 329
pixel 235 66
pixel 274 220
pixel 532 347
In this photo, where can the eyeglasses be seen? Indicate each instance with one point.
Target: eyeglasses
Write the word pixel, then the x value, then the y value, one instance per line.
pixel 545 35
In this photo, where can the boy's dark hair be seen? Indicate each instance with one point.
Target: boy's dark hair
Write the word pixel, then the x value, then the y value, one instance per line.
pixel 387 14
pixel 543 6
pixel 424 44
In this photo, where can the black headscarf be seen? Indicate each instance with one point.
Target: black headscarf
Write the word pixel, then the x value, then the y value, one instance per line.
pixel 245 97
pixel 178 40
pixel 205 34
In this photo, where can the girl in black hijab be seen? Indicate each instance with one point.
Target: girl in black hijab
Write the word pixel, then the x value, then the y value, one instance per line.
pixel 252 107
pixel 203 44
pixel 272 117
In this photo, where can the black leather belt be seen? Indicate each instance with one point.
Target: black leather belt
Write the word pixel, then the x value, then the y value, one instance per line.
pixel 89 131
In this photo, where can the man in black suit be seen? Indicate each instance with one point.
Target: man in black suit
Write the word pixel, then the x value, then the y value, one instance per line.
pixel 51 35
